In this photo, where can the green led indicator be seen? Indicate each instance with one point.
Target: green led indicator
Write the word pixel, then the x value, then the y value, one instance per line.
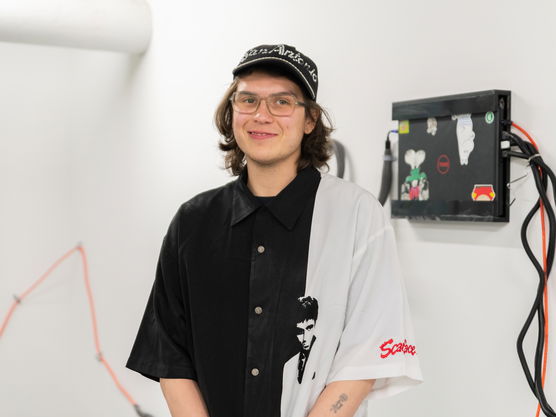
pixel 489 117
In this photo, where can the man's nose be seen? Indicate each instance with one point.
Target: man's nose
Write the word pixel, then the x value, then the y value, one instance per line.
pixel 263 114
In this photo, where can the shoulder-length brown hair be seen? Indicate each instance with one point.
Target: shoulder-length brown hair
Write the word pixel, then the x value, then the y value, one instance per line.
pixel 316 147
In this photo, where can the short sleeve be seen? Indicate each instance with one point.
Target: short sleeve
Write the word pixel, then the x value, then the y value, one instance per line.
pixel 377 341
pixel 161 348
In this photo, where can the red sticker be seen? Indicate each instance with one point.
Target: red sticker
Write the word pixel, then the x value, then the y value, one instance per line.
pixel 443 164
pixel 396 348
pixel 483 192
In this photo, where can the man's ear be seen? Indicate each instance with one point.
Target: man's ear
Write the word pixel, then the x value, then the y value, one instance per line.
pixel 310 122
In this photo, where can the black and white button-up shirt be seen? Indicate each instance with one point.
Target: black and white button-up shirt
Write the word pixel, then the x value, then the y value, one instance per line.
pixel 264 301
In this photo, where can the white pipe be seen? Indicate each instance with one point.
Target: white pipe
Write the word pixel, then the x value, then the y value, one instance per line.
pixel 114 25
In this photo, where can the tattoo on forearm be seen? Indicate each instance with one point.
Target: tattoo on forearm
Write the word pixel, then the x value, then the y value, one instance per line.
pixel 339 404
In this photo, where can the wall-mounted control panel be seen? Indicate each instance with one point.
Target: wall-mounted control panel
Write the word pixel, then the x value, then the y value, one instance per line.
pixel 450 163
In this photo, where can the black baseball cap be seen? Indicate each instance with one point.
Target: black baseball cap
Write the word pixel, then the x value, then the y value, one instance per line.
pixel 299 66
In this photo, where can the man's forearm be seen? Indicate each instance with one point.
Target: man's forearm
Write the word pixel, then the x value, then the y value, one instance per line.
pixel 183 397
pixel 341 398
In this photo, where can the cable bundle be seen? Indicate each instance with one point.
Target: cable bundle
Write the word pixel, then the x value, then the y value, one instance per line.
pixel 542 174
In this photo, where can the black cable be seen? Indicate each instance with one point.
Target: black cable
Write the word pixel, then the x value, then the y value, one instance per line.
pixel 386 182
pixel 541 174
pixel 140 412
pixel 537 163
pixel 537 308
pixel 550 259
pixel 516 154
pixel 340 153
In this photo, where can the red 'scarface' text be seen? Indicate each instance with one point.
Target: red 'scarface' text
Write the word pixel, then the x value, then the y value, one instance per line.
pixel 388 348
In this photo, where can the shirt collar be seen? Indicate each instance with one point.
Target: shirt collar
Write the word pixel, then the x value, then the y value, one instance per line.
pixel 286 206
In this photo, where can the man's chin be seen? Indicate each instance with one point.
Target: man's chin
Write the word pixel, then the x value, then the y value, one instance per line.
pixel 272 160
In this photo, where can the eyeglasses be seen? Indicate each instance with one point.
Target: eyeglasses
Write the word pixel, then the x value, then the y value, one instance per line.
pixel 277 104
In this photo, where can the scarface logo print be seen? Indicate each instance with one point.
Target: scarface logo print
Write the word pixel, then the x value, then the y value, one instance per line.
pixel 388 348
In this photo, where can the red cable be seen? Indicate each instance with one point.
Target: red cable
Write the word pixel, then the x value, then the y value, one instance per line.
pixel 90 297
pixel 100 356
pixel 19 299
pixel 526 134
pixel 545 266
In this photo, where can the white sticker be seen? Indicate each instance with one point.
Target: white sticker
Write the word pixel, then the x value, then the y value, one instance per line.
pixel 466 136
pixel 432 126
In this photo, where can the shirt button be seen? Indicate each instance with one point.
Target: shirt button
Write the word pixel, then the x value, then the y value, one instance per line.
pixel 258 310
pixel 260 249
pixel 254 372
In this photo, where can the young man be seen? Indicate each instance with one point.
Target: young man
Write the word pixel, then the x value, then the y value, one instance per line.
pixel 237 260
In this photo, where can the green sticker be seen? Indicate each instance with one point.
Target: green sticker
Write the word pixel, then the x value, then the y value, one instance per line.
pixel 489 117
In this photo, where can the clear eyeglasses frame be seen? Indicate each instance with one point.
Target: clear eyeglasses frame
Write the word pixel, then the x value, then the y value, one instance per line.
pixel 277 104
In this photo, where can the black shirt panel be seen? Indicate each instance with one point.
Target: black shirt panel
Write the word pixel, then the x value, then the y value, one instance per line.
pixel 217 265
pixel 279 252
pixel 162 348
pixel 265 200
pixel 222 306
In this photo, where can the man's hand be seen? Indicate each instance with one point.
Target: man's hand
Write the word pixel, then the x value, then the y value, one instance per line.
pixel 341 398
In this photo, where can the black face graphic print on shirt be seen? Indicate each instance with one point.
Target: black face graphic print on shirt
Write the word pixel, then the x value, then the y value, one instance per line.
pixel 306 313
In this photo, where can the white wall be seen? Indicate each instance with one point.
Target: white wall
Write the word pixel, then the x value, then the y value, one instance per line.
pixel 102 148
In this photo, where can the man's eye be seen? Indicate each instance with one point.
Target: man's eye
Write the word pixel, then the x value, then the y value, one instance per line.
pixel 248 100
pixel 283 101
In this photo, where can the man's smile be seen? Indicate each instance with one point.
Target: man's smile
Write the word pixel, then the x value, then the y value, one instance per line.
pixel 258 134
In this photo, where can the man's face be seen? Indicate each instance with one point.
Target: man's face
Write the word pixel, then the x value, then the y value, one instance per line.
pixel 268 140
pixel 305 331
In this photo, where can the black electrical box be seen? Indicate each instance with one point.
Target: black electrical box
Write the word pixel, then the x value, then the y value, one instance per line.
pixel 450 163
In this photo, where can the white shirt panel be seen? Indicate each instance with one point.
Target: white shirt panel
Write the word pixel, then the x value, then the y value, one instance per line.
pixel 363 330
